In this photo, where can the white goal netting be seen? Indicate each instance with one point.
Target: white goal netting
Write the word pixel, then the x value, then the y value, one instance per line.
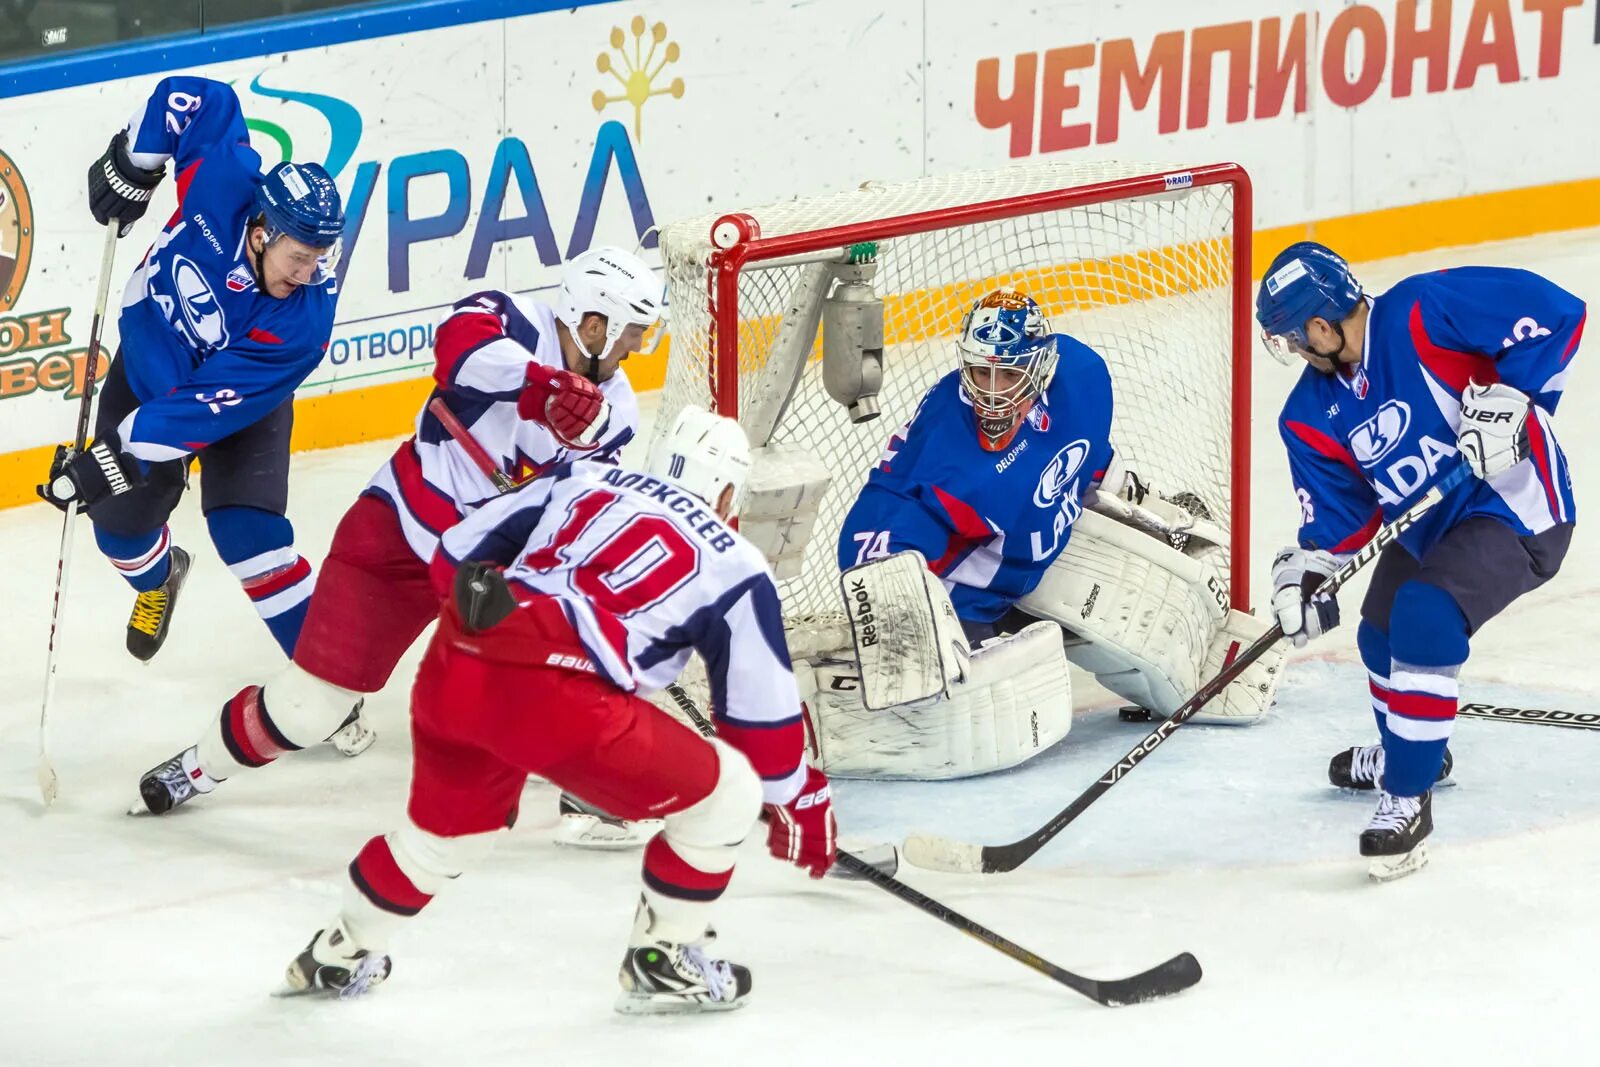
pixel 1149 281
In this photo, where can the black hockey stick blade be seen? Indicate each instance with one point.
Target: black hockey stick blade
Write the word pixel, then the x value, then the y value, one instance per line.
pixel 1163 980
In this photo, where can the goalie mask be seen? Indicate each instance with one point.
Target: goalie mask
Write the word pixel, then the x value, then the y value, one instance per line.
pixel 1008 357
pixel 705 454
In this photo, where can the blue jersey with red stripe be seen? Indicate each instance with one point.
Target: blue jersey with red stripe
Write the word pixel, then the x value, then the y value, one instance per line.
pixel 989 523
pixel 1364 445
pixel 206 352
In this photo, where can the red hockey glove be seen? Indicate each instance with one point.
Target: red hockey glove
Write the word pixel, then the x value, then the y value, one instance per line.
pixel 803 831
pixel 570 405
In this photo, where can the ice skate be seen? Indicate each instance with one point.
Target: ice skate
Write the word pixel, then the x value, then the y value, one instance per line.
pixel 583 825
pixel 355 735
pixel 671 978
pixel 1395 839
pixel 331 965
pixel 1361 767
pixel 177 781
pixel 152 610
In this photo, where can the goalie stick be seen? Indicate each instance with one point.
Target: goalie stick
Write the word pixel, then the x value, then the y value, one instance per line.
pixel 45 772
pixel 1162 980
pixel 944 854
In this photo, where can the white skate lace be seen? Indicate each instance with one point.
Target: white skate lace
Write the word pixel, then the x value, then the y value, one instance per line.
pixel 1394 812
pixel 716 974
pixel 370 967
pixel 1367 766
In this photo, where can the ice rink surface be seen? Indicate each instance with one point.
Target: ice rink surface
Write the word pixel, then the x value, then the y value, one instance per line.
pixel 156 941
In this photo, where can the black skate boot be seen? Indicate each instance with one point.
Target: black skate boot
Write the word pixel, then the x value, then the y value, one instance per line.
pixel 670 978
pixel 174 782
pixel 1362 768
pixel 332 965
pixel 1395 839
pixel 583 825
pixel 152 610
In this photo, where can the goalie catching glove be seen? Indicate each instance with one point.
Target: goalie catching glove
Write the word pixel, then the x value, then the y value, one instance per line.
pixel 570 405
pixel 1147 612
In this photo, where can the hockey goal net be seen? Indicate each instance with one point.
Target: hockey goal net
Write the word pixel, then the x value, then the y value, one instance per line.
pixel 1147 264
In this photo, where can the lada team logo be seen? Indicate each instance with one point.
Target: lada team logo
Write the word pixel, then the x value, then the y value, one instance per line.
pixel 1378 436
pixel 1060 472
pixel 202 317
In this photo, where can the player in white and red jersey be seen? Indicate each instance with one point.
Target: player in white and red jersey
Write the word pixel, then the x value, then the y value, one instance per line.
pixel 532 386
pixel 610 579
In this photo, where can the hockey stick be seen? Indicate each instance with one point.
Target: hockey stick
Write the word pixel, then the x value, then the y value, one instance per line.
pixel 943 854
pixel 1162 980
pixel 883 858
pixel 1572 720
pixel 49 785
pixel 463 437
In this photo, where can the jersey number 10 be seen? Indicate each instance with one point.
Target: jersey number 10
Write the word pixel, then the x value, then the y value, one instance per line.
pixel 635 567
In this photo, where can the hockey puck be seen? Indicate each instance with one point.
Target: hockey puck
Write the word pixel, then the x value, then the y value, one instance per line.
pixel 1133 713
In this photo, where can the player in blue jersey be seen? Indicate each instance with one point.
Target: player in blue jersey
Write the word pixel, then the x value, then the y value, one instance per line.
pixel 987 482
pixel 1458 366
pixel 991 507
pixel 226 315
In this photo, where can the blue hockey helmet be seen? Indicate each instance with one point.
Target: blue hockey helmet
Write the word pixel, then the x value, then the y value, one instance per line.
pixel 1005 331
pixel 1304 281
pixel 301 201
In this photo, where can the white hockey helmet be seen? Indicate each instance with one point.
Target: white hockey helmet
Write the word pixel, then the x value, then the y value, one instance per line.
pixel 704 453
pixel 613 282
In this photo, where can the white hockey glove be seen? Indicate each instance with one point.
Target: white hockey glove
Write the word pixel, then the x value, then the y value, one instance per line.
pixel 1296 573
pixel 1493 436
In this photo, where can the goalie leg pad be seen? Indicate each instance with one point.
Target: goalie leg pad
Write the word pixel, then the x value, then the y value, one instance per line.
pixel 1142 615
pixel 1015 703
pixel 908 640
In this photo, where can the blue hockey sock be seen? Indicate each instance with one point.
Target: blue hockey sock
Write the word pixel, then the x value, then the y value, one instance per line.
pixel 1429 644
pixel 1375 654
pixel 258 547
pixel 143 559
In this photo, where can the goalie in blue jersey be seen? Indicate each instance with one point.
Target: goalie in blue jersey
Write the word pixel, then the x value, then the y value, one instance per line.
pixel 1459 366
pixel 224 317
pixel 1002 498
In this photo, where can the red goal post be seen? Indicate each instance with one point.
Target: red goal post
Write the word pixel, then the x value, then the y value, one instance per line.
pixel 1147 263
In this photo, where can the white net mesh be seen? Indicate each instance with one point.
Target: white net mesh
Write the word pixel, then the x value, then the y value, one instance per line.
pixel 1147 282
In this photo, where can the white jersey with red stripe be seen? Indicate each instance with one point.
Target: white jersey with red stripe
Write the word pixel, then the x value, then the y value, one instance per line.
pixel 482 350
pixel 647 574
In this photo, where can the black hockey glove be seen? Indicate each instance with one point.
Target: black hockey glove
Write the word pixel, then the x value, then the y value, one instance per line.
pixel 482 596
pixel 118 189
pixel 101 471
